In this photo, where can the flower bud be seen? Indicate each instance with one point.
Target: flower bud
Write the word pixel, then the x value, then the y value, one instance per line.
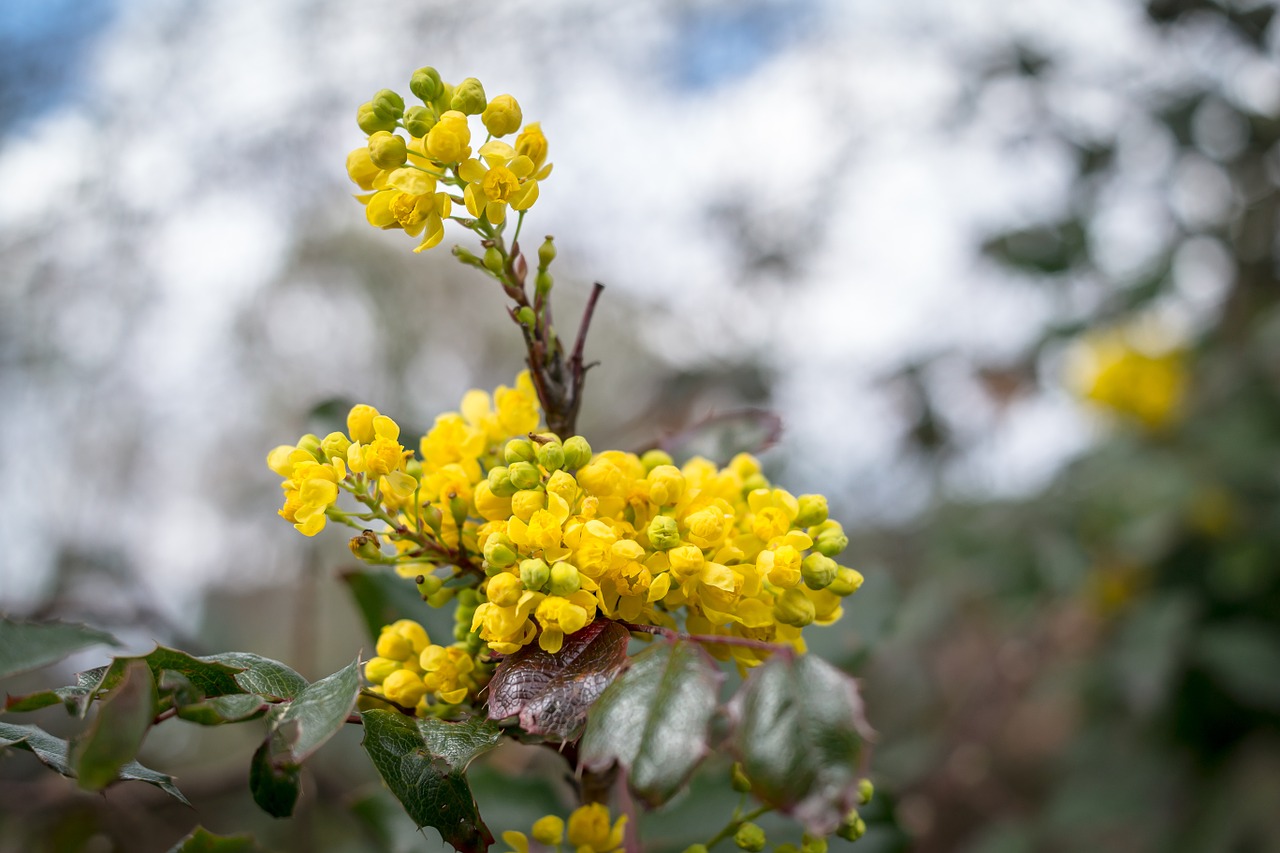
pixel 461 631
pixel 526 317
pixel 404 687
pixel 433 517
pixel 548 830
pixel 739 779
pixel 499 552
pixel 425 84
pixel 493 260
pixel 830 539
pixel 577 452
pixel 468 597
pixel 387 105
pixel 500 481
pixel 755 481
pixel 334 444
pixel 546 252
pixel 852 827
pixel 813 510
pixel 865 791
pixel 813 844
pixel 519 450
pixel 564 579
pixel 534 574
pixel 377 669
pixel 360 423
pixel 360 168
pixel 666 485
pixel 524 475
pixel 387 150
pixel 366 547
pixel 526 502
pixel 653 458
pixel 458 509
pixel 441 597
pixel 371 122
pixel 502 116
pixel 664 533
pixel 311 444
pixel 504 590
pixel 794 608
pixel 749 837
pixel 696 848
pixel 542 282
pixel 818 571
pixel 551 456
pixel 468 97
pixel 419 121
pixel 847 581
pixel 467 257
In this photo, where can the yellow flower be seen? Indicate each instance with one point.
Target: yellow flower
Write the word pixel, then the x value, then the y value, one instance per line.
pixel 589 829
pixel 548 830
pixel 532 143
pixel 559 616
pixel 450 139
pixel 448 673
pixel 499 178
pixel 406 198
pixel 502 116
pixel 382 455
pixel 311 489
pixel 1148 388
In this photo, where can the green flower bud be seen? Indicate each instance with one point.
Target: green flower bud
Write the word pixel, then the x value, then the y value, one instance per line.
pixel 526 317
pixel 788 847
pixel 467 257
pixel 366 547
pixel 534 574
pixel 818 571
pixel 387 151
pixel 865 791
pixel 519 450
pixel 524 475
pixel 493 260
pixel 433 517
pixel 388 105
pixel 500 481
pixel 813 510
pixel 441 597
pixel 499 552
pixel 653 458
pixel 419 121
pixel 755 481
pixel 564 579
pixel 546 252
pixel 739 780
pixel 458 509
pixel 502 116
pixel 813 844
pixel 830 539
pixel 461 632
pixel 664 533
pixel 542 282
pixel 311 444
pixel 425 84
pixel 793 607
pixel 852 827
pixel 371 122
pixel 847 581
pixel 335 444
pixel 577 452
pixel 551 456
pixel 468 97
pixel 428 585
pixel 749 837
pixel 468 597
pixel 696 848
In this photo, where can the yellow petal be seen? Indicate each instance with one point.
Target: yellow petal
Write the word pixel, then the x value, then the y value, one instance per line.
pixel 523 198
pixel 469 196
pixel 435 233
pixel 412 181
pixel 522 166
pixel 496 212
pixel 496 152
pixel 378 211
pixel 472 170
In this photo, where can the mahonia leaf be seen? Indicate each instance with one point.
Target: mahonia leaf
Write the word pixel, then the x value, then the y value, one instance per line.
pixel 423 762
pixel 382 597
pixel 223 709
pixel 264 676
pixel 550 694
pixel 53 752
pixel 116 734
pixel 201 840
pixel 26 646
pixel 74 698
pixel 274 786
pixel 302 726
pixel 654 719
pixel 209 677
pixel 799 730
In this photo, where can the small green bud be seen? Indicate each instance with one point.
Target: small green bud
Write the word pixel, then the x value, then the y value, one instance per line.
pixel 739 780
pixel 467 257
pixel 865 791
pixel 852 827
pixel 813 844
pixel 371 122
pixel 419 121
pixel 500 481
pixel 434 518
pixel 335 444
pixel 526 317
pixel 493 260
pixel 387 150
pixel 428 585
pixel 534 574
pixel 696 848
pixel 546 252
pixel 388 105
pixel 847 581
pixel 577 452
pixel 461 632
pixel 551 456
pixel 366 547
pixel 519 450
pixel 813 510
pixel 441 597
pixel 830 541
pixel 818 571
pixel 794 608
pixel 564 579
pixel 458 509
pixel 653 458
pixel 755 481
pixel 425 84
pixel 664 533
pixel 524 475
pixel 542 283
pixel 499 552
pixel 468 97
pixel 749 837
pixel 468 597
pixel 311 444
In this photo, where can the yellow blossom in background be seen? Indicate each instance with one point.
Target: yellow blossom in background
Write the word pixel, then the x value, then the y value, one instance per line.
pixel 1146 386
pixel 589 830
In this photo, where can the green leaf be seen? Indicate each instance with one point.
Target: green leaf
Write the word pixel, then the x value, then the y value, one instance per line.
pixel 224 709
pixel 263 676
pixel 26 646
pixel 76 698
pixel 117 732
pixel 799 733
pixel 1245 659
pixel 550 694
pixel 209 677
pixel 274 787
pixel 52 751
pixel 302 726
pixel 201 840
pixel 423 762
pixel 654 719
pixel 382 597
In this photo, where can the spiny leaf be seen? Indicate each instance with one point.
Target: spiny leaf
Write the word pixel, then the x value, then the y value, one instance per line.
pixel 201 840
pixel 423 762
pixel 53 752
pixel 260 675
pixel 117 732
pixel 552 693
pixel 223 709
pixel 654 719
pixel 76 698
pixel 26 646
pixel 302 726
pixel 274 787
pixel 210 678
pixel 799 734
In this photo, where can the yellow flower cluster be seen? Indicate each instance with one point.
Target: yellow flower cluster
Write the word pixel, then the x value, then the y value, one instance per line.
pixel 410 671
pixel 1145 387
pixel 406 179
pixel 588 831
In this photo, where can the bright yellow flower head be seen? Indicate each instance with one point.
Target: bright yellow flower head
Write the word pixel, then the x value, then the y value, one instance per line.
pixel 500 177
pixel 502 116
pixel 589 830
pixel 406 198
pixel 449 140
pixel 532 143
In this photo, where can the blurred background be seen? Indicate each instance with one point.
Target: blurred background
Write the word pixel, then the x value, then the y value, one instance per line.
pixel 1007 272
